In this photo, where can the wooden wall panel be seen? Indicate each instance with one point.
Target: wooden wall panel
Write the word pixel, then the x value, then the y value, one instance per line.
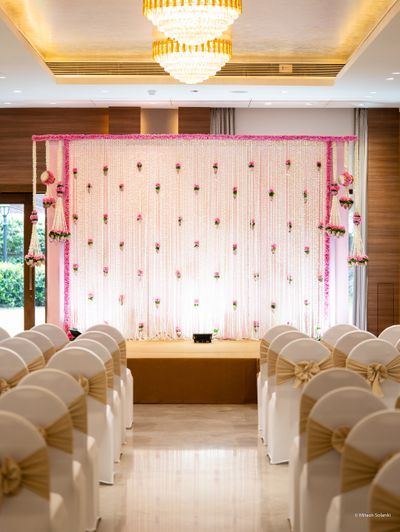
pixel 17 127
pixel 194 120
pixel 383 218
pixel 123 120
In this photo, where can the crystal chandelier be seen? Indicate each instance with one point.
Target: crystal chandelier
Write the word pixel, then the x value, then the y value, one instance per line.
pixel 192 64
pixel 192 21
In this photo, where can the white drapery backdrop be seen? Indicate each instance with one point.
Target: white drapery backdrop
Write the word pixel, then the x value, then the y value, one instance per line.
pixel 201 282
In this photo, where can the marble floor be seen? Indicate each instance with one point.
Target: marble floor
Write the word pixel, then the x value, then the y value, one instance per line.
pixel 195 468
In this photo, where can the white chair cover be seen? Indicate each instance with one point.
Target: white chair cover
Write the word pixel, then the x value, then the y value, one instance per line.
pixel 338 411
pixel 377 437
pixel 332 335
pixel 54 333
pixel 80 362
pixel 346 343
pixel 113 398
pixel 43 409
pixel 3 334
pixel 384 497
pixel 12 369
pixel 85 449
pixel 283 408
pixel 275 347
pixel 125 371
pixel 26 509
pixel 272 333
pixel 377 351
pixel 109 343
pixel 27 350
pixel 391 334
pixel 321 384
pixel 42 341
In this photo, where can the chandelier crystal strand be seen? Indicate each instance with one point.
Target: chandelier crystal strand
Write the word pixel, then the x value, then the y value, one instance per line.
pixel 358 257
pixel 192 64
pixel 59 232
pixel 192 22
pixel 34 257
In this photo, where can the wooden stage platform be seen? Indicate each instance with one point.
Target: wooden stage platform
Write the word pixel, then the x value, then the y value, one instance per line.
pixel 223 372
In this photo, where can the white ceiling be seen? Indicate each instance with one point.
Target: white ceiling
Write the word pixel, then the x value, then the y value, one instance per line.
pixel 363 81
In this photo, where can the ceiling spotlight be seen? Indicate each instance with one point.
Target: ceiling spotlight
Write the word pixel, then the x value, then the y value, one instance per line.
pixel 192 64
pixel 284 92
pixel 389 79
pixel 17 91
pixel 192 22
pixel 104 91
pixel 308 103
pixel 267 103
pixel 396 73
pixel 7 103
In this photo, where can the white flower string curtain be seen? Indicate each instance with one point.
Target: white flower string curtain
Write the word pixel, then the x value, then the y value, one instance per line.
pixel 172 235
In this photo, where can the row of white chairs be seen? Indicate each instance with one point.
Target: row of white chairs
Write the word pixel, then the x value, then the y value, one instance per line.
pixel 63 412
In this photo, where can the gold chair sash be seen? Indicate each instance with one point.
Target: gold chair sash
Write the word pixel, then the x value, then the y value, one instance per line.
pixel 37 363
pixel 49 353
pixel 322 439
pixel 327 345
pixel 117 362
pixel 122 352
pixel 339 358
pixel 302 372
pixel 271 361
pixel 264 347
pixel 78 413
pixel 59 434
pixel 306 404
pixel 384 502
pixel 376 373
pixel 95 387
pixel 31 473
pixel 358 468
pixel 7 384
pixel 109 365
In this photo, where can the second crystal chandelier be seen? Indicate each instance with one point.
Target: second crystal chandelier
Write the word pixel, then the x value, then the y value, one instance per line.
pixel 192 51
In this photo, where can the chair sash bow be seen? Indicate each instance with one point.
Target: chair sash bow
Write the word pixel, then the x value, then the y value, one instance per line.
pixel 49 353
pixel 78 412
pixel 116 362
pixel 122 351
pixel 306 405
pixel 322 439
pixel 264 347
pixel 7 384
pixel 37 363
pixel 95 387
pixel 31 472
pixel 302 372
pixel 59 434
pixel 339 358
pixel 271 361
pixel 376 373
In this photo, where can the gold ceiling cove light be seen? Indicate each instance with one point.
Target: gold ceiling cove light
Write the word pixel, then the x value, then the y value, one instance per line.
pixel 192 64
pixel 192 21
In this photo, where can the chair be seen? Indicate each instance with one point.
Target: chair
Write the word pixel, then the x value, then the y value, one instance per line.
pixel 272 333
pixel 85 449
pixel 12 369
pixel 384 497
pixel 49 414
pixel 345 344
pixel 27 350
pixel 109 343
pixel 275 347
pixel 329 423
pixel 3 334
pixel 88 369
pixel 54 333
pixel 321 384
pixel 332 335
pixel 369 445
pixel 27 504
pixel 297 363
pixel 44 343
pixel 391 334
pixel 378 361
pixel 126 372
pixel 112 396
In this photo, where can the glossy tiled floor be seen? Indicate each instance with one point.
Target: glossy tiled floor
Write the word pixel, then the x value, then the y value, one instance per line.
pixel 195 468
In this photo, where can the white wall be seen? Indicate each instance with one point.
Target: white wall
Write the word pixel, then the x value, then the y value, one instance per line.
pixel 294 122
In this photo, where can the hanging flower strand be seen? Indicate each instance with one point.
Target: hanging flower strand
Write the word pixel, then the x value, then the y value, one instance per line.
pixel 346 180
pixel 334 227
pixel 59 231
pixel 358 257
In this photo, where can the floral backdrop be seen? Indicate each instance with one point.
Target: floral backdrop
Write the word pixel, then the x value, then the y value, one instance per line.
pixel 173 236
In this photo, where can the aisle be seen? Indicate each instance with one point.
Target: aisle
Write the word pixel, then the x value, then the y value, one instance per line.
pixel 195 468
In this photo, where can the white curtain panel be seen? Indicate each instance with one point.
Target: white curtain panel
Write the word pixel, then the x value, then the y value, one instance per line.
pixel 237 278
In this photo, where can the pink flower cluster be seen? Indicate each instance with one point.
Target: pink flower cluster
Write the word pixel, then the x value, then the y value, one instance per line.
pixel 335 230
pixel 346 202
pixel 217 221
pixel 34 260
pixel 357 260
